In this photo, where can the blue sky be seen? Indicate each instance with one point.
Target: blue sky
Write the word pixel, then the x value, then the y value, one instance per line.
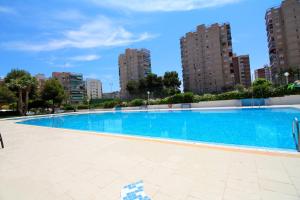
pixel 86 36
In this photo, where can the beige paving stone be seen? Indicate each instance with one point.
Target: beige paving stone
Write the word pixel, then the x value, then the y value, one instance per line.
pixel 42 162
pixel 270 195
pixel 192 198
pixel 233 194
pixel 243 185
pixel 274 175
pixel 275 186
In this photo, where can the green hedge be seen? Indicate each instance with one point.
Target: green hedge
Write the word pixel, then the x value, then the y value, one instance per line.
pixel 69 107
pixel 181 98
pixel 112 104
pixel 82 107
pixel 137 102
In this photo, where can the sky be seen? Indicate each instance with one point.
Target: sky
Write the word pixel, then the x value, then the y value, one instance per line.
pixel 87 36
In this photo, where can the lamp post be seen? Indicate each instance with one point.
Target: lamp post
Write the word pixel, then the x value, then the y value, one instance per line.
pixel 148 93
pixel 286 74
pixel 276 78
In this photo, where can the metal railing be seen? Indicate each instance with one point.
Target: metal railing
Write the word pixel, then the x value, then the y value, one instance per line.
pixel 296 133
pixel 1 141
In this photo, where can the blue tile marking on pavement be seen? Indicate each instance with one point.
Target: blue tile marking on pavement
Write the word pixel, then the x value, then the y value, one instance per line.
pixel 134 191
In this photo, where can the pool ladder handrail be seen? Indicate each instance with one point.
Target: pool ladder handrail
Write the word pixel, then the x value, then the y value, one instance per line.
pixel 296 133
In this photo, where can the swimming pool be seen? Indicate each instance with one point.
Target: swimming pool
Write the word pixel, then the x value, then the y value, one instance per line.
pixel 268 128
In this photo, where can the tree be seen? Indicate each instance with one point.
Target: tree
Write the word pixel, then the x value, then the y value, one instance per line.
pixel 262 88
pixel 53 91
pixel 151 83
pixel 239 88
pixel 6 96
pixel 171 83
pixel 154 84
pixel 133 87
pixel 21 82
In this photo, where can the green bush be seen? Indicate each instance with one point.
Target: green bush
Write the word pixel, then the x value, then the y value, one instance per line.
pixel 180 98
pixel 111 104
pixel 137 102
pixel 262 88
pixel 206 97
pixel 231 95
pixel 82 107
pixel 154 101
pixel 164 101
pixel 68 107
pixel 177 98
pixel 188 97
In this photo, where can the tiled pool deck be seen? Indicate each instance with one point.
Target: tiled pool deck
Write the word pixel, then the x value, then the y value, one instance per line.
pixel 44 163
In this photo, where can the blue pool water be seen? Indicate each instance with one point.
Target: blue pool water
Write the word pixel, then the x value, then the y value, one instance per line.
pixel 263 128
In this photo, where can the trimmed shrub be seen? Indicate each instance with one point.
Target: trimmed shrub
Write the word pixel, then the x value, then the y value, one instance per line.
pixel 206 97
pixel 68 107
pixel 154 101
pixel 262 88
pixel 137 102
pixel 188 97
pixel 164 101
pixel 181 98
pixel 177 98
pixel 111 104
pixel 82 107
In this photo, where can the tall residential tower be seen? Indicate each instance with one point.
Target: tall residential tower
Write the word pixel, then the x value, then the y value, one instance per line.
pixel 206 57
pixel 134 64
pixel 242 72
pixel 283 29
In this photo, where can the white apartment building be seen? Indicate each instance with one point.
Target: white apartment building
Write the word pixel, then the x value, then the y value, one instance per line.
pixel 93 89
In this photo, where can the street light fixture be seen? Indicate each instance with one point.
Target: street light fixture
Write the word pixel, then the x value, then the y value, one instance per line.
pixel 286 74
pixel 148 93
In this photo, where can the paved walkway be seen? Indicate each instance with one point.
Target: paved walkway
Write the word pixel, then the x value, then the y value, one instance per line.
pixel 44 163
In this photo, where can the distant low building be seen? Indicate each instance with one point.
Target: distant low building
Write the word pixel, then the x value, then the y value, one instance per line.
pixel 93 89
pixel 73 85
pixel 264 72
pixel 111 95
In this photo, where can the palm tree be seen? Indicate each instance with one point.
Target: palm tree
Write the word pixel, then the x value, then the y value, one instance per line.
pixel 28 83
pixel 21 82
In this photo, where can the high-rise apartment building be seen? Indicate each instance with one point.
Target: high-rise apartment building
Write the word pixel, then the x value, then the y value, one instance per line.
pixel 73 85
pixel 264 72
pixel 242 72
pixel 93 89
pixel 41 79
pixel 206 57
pixel 283 30
pixel 134 64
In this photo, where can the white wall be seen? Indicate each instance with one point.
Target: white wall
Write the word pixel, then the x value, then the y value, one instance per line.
pixel 224 103
pixel 286 100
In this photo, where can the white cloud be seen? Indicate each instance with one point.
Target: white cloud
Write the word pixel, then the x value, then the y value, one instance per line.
pixel 7 10
pixel 69 15
pixel 100 32
pixel 90 57
pixel 162 5
pixel 64 66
